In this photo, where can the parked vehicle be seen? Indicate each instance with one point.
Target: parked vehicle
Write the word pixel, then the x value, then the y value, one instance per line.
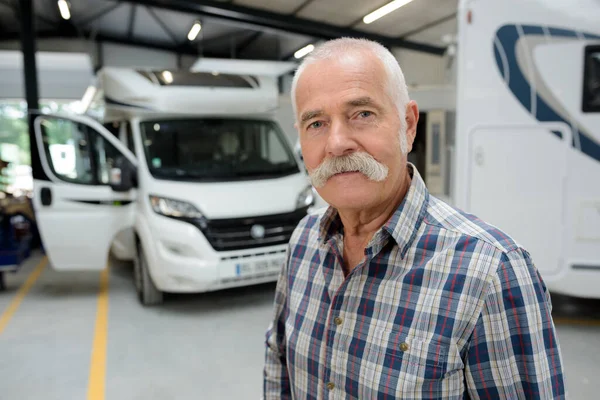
pixel 189 175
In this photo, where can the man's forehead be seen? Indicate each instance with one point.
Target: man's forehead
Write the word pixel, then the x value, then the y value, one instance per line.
pixel 352 80
pixel 358 64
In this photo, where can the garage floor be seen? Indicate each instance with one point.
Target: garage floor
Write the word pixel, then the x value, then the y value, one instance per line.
pixel 55 344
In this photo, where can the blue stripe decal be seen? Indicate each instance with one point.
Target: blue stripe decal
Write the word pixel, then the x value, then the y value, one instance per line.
pixel 532 30
pixel 558 32
pixel 521 89
pixel 499 60
pixel 508 37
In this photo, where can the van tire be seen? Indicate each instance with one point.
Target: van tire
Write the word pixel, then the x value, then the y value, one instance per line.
pixel 147 292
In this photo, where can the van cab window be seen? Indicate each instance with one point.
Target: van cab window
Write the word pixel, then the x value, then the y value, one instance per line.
pixel 216 149
pixel 76 153
pixel 591 78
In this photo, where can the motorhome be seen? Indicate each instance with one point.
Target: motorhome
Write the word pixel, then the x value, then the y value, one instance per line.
pixel 187 173
pixel 515 139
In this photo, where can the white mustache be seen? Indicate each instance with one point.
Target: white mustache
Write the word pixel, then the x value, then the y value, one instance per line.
pixel 355 162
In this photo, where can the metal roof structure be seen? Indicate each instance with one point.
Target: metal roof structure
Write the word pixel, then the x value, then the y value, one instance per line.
pixel 249 29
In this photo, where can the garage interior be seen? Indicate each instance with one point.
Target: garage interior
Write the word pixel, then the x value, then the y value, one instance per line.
pixel 84 334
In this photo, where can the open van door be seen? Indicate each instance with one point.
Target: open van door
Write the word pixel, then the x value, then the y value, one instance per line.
pixel 84 190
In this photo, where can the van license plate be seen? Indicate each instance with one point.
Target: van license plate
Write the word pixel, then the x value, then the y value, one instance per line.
pixel 259 267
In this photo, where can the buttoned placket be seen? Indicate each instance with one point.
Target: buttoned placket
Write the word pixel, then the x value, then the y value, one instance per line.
pixel 335 320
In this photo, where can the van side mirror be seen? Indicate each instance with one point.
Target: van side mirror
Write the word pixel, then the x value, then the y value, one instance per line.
pixel 123 176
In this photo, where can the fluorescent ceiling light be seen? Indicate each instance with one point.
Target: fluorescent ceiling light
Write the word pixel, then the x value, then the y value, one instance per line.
pixel 304 51
pixel 63 7
pixel 194 31
pixel 385 10
pixel 167 76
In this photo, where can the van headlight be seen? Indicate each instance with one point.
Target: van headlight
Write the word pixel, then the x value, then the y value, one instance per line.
pixel 174 208
pixel 306 198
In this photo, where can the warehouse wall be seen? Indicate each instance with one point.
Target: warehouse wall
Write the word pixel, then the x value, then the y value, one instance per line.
pixel 422 68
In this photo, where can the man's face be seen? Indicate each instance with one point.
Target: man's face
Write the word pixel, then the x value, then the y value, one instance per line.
pixel 343 108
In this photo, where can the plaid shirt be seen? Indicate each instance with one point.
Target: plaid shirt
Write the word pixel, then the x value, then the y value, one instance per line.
pixel 443 306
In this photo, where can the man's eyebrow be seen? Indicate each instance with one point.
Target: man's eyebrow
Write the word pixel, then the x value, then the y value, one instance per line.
pixel 362 101
pixel 310 115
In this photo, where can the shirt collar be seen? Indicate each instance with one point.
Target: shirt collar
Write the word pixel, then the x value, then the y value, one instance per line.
pixel 402 225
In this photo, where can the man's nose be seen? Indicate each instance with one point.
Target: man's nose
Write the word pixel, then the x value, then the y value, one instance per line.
pixel 339 140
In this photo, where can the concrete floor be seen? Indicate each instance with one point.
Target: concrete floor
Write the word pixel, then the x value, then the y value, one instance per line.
pixel 207 346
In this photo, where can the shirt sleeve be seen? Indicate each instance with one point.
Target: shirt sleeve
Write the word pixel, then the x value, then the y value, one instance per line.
pixel 276 383
pixel 514 351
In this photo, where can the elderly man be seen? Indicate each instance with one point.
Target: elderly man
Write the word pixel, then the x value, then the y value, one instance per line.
pixel 391 293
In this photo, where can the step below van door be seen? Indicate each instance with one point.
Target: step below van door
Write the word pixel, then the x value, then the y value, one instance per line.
pixel 84 190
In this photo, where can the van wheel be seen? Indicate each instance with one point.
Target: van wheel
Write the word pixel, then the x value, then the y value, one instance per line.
pixel 147 292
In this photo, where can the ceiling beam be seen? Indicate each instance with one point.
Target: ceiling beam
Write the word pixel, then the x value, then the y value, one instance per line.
pixel 281 22
pixel 99 14
pixel 164 27
pixel 244 44
pixel 106 38
pixel 131 21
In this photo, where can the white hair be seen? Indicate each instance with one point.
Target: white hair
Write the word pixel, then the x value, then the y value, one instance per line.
pixel 345 48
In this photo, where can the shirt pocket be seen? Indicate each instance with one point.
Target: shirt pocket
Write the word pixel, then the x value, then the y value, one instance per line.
pixel 415 358
pixel 409 366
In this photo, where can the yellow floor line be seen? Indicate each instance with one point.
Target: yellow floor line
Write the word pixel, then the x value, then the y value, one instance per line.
pixel 16 302
pixel 97 377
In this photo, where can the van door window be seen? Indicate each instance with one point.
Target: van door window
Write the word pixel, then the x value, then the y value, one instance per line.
pixel 591 80
pixel 77 153
pixel 68 150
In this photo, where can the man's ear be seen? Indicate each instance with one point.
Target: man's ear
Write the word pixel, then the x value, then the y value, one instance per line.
pixel 411 120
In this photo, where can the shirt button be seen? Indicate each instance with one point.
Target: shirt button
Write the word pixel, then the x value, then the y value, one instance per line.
pixel 330 386
pixel 404 346
pixel 337 320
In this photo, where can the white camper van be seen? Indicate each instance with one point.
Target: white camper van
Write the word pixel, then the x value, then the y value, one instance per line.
pixel 189 175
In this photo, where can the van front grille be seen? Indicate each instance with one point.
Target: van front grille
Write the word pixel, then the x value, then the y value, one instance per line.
pixel 251 232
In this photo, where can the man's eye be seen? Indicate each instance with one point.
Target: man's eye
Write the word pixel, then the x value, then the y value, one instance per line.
pixel 365 114
pixel 316 125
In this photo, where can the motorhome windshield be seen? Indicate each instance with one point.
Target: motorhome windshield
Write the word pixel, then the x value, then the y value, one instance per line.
pixel 216 149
